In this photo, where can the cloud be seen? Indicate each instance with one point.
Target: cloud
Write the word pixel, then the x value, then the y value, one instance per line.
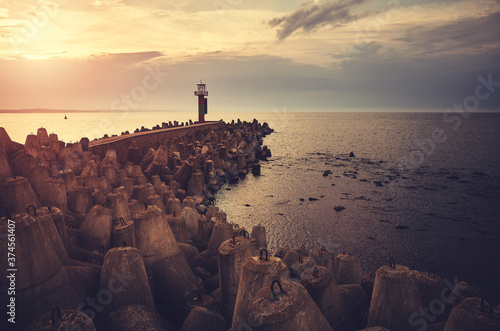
pixel 312 16
pixel 473 34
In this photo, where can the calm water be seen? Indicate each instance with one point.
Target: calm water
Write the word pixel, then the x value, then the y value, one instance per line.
pixel 449 203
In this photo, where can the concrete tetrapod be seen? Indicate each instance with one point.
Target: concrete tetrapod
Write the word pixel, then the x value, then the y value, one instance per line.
pixel 136 317
pixel 117 203
pixel 259 233
pixel 157 201
pixel 183 174
pixel 395 298
pixel 96 229
pixel 203 319
pixel 18 194
pixel 220 233
pixel 58 218
pixel 173 206
pixel 124 280
pixel 5 171
pixel 123 234
pixel 196 184
pixel 324 258
pixel 232 254
pixel 60 320
pixel 69 179
pixel 49 228
pixel 173 278
pixel 473 314
pixel 348 269
pixel 191 216
pixel 430 287
pixel 46 285
pixel 256 273
pixel 285 306
pixel 80 200
pixel 177 224
pixel 322 287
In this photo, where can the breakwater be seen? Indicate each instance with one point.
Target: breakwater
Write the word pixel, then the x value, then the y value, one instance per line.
pixel 121 236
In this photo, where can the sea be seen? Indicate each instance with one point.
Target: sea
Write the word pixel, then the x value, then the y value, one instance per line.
pixel 420 188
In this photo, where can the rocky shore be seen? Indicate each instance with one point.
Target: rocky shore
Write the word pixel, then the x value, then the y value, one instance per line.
pixel 108 239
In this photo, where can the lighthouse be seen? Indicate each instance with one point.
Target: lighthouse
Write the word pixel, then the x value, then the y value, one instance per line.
pixel 202 101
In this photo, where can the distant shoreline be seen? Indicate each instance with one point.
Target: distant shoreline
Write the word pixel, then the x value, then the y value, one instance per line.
pixel 42 111
pixel 61 111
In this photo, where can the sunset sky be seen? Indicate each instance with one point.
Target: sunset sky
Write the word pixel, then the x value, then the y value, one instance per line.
pixel 253 55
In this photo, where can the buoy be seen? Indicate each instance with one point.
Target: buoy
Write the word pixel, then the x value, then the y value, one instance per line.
pixel 18 194
pixel 201 318
pixel 232 254
pixel 285 306
pixel 96 228
pixel 473 314
pixel 348 269
pixel 124 278
pixel 257 272
pixel 65 319
pixel 395 298
pixel 321 285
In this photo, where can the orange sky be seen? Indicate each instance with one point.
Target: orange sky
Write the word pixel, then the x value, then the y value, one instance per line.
pixel 73 54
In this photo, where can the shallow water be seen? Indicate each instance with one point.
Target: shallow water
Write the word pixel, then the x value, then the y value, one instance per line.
pixel 449 205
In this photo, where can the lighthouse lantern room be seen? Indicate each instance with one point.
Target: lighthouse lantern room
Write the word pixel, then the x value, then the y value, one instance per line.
pixel 202 101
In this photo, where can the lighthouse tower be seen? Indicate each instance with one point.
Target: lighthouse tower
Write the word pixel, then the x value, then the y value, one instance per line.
pixel 202 101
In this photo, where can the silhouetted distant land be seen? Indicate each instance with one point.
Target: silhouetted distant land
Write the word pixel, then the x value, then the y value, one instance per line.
pixel 66 111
